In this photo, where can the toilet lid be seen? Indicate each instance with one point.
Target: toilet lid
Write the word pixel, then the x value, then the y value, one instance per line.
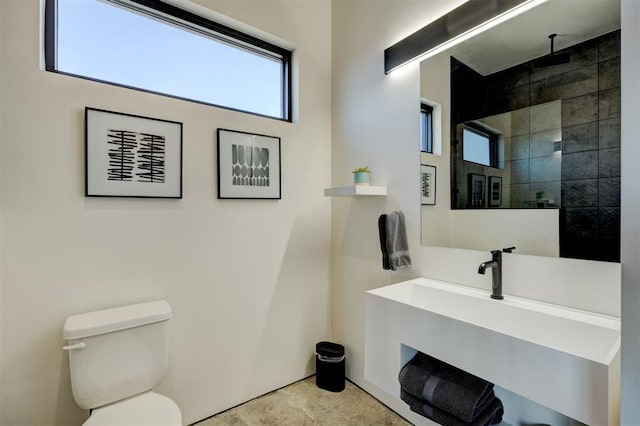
pixel 148 409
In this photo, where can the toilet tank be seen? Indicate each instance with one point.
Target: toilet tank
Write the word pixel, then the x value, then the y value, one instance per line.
pixel 116 353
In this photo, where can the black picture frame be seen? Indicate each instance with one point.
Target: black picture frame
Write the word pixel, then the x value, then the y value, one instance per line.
pixel 249 165
pixel 476 190
pixel 129 155
pixel 428 185
pixel 495 191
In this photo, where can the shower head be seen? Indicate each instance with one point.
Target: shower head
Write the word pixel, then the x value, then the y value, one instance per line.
pixel 552 58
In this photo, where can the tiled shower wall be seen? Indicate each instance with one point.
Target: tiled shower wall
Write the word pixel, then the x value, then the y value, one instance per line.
pixel 589 89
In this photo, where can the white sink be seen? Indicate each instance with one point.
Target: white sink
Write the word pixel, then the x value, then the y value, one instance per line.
pixel 563 358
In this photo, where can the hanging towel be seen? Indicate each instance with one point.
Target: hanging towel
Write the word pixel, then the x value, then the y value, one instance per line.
pixel 397 246
pixel 382 230
pixel 491 415
pixel 446 387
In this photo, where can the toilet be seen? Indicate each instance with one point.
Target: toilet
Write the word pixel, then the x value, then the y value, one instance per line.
pixel 116 357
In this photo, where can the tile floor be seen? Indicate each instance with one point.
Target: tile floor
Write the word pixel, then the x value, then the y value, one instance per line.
pixel 303 403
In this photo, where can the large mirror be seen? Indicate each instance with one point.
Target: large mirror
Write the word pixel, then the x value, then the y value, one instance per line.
pixel 525 143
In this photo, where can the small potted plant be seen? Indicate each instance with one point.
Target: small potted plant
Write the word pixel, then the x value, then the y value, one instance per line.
pixel 361 175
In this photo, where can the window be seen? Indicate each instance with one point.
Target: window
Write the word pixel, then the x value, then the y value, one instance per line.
pixel 426 128
pixel 156 47
pixel 479 147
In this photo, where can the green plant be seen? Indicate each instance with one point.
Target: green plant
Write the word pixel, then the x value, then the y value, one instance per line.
pixel 364 169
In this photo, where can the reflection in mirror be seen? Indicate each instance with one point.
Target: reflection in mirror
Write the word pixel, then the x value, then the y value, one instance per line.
pixel 520 154
pixel 534 144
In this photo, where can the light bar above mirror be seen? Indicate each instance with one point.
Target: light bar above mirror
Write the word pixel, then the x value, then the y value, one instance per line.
pixel 462 23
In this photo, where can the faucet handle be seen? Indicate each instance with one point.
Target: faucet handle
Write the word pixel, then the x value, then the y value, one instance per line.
pixel 508 249
pixel 495 254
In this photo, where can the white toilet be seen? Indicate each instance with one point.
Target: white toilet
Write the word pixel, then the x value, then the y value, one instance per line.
pixel 116 357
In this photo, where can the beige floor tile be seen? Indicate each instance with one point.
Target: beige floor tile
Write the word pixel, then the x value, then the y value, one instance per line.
pixel 228 418
pixel 303 403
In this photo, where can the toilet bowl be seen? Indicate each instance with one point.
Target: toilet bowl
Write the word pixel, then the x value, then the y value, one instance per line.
pixel 148 409
pixel 116 357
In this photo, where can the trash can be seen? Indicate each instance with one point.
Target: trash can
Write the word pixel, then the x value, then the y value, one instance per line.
pixel 330 366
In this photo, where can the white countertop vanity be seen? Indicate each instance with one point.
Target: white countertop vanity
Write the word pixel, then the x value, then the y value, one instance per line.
pixel 565 359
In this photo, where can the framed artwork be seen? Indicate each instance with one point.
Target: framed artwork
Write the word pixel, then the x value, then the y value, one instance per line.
pixel 131 156
pixel 428 184
pixel 495 191
pixel 477 184
pixel 248 165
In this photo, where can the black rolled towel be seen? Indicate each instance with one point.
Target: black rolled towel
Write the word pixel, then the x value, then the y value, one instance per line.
pixel 458 392
pixel 491 415
pixel 416 372
pixel 446 387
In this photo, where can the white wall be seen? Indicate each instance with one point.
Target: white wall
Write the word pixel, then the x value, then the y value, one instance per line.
pixel 375 122
pixel 630 216
pixel 248 280
pixel 1 135
pixel 532 231
pixel 435 81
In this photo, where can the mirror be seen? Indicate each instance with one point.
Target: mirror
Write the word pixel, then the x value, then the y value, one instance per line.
pixel 529 153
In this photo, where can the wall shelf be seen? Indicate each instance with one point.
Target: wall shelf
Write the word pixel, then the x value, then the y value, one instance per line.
pixel 355 191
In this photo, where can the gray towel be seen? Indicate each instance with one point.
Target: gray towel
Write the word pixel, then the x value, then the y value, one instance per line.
pixel 491 415
pixel 446 387
pixel 382 231
pixel 397 246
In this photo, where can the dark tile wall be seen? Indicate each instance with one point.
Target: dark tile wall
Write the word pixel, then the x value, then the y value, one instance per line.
pixel 589 89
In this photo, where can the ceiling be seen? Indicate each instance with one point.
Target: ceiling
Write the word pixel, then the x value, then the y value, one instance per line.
pixel 525 37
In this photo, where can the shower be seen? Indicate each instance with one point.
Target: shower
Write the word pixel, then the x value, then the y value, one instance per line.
pixel 552 58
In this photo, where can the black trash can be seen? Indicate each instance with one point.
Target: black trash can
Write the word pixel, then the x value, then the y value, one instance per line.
pixel 330 366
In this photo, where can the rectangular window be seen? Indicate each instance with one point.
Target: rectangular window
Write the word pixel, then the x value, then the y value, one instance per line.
pixel 479 147
pixel 156 47
pixel 426 128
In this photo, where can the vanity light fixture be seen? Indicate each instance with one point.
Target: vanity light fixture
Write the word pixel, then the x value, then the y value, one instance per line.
pixel 462 23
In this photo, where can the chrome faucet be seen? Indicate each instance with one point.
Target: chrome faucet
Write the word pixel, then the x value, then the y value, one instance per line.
pixel 496 265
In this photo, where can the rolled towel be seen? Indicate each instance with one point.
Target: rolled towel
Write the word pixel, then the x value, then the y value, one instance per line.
pixel 382 230
pixel 491 415
pixel 453 390
pixel 397 245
